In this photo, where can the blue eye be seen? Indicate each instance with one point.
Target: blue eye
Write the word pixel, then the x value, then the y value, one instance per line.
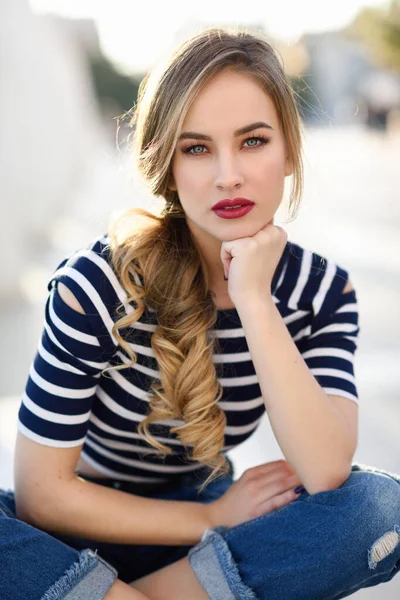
pixel 187 151
pixel 253 140
pixel 260 141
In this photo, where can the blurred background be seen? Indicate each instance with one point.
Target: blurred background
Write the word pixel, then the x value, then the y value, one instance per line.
pixel 69 68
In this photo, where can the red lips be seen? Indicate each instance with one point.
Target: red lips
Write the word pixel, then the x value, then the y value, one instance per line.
pixel 230 203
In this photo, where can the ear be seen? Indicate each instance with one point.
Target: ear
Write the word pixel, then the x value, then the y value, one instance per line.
pixel 171 184
pixel 288 167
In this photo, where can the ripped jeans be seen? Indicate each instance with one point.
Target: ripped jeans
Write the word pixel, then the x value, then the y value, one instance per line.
pixel 320 547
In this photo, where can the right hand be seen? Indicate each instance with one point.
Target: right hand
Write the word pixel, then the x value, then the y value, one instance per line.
pixel 259 491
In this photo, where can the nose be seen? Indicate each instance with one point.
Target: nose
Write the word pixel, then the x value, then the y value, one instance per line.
pixel 229 174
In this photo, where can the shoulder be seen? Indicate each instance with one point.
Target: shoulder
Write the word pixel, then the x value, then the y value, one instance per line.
pixel 91 264
pixel 91 282
pixel 79 263
pixel 69 298
pixel 96 253
pixel 313 282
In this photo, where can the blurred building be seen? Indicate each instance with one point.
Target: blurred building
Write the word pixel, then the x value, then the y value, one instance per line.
pixel 348 87
pixel 336 67
pixel 49 127
pixel 381 92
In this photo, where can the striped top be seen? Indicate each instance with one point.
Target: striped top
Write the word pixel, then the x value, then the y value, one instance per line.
pixel 68 402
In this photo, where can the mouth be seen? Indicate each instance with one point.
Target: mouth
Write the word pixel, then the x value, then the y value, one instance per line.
pixel 232 204
pixel 232 212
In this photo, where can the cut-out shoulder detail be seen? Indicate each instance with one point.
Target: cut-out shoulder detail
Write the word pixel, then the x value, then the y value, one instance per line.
pixel 348 287
pixel 67 296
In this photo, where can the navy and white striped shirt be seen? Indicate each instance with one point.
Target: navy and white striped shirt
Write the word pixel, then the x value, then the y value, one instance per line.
pixel 67 402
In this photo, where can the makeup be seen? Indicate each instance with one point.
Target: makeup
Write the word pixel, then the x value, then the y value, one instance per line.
pixel 233 213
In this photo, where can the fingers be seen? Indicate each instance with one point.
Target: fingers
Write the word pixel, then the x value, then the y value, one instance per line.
pixel 277 502
pixel 276 495
pixel 270 486
pixel 268 468
pixel 258 491
pixel 281 485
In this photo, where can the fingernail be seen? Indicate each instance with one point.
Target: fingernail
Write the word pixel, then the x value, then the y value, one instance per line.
pixel 226 279
pixel 299 489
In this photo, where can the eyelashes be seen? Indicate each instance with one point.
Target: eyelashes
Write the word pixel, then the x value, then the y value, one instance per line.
pixel 260 138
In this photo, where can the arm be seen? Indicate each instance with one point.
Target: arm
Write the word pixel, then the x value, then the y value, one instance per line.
pixel 316 432
pixel 51 496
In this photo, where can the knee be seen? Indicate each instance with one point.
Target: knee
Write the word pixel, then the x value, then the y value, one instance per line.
pixel 378 494
pixel 376 499
pixel 368 502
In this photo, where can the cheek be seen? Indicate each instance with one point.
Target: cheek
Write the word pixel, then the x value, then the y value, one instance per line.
pixel 188 174
pixel 270 171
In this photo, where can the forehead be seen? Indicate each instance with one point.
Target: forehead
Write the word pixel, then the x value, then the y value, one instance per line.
pixel 228 101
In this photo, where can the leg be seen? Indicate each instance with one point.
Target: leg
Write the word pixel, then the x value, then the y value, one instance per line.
pixel 35 565
pixel 121 591
pixel 177 581
pixel 325 546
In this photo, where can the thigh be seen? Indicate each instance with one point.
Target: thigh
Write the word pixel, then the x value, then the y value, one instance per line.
pixel 33 563
pixel 131 561
pixel 326 545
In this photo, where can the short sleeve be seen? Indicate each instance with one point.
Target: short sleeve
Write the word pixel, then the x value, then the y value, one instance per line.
pixel 73 351
pixel 329 350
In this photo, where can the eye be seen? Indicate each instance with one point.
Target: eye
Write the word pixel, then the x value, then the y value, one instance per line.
pixel 188 150
pixel 261 139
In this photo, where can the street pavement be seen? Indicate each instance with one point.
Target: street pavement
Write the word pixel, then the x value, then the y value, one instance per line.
pixel 350 213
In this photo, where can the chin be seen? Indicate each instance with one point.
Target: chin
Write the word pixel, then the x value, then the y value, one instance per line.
pixel 237 231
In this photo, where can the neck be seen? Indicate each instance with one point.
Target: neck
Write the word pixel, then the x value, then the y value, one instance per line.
pixel 210 249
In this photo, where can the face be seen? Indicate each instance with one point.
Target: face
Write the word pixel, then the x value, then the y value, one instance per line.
pixel 220 162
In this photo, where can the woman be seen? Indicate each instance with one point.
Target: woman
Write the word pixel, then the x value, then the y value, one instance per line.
pixel 165 342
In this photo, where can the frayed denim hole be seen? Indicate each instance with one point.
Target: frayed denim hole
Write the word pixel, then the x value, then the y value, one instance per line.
pixel 383 547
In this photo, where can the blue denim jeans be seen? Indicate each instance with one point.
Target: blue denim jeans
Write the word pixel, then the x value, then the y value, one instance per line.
pixel 320 547
pixel 35 566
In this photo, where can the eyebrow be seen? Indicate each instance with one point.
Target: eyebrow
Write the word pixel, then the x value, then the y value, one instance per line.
pixel 201 136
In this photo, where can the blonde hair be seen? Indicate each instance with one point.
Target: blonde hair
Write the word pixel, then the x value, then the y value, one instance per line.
pixel 158 262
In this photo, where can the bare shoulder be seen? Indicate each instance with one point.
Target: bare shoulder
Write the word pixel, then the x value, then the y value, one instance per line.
pixel 68 297
pixel 348 287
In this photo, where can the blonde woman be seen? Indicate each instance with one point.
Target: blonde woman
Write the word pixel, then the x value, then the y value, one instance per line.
pixel 166 341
